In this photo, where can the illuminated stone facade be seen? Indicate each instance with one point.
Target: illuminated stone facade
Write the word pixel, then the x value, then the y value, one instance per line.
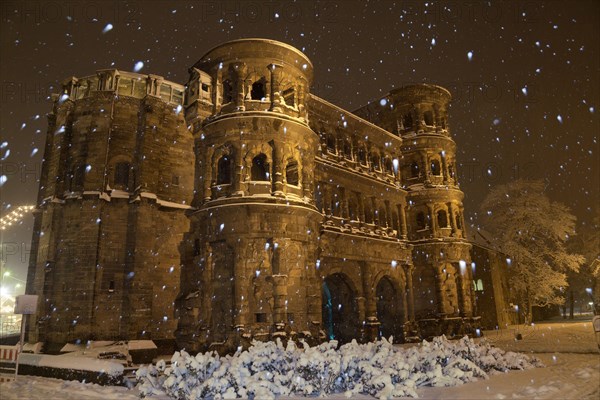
pixel 253 209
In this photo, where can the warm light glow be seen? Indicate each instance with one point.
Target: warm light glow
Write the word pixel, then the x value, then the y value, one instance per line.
pixel 15 216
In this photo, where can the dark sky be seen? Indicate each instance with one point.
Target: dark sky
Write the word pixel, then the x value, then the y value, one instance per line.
pixel 525 102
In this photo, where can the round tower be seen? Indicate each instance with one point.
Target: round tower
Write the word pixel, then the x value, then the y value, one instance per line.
pixel 435 210
pixel 252 243
pixel 116 182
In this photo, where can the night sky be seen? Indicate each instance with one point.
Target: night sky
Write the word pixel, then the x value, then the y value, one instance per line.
pixel 524 76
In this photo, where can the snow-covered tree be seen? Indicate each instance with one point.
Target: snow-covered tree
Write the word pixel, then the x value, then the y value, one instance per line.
pixel 533 230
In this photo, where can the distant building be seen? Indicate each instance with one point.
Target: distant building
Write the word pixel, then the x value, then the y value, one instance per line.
pixel 240 207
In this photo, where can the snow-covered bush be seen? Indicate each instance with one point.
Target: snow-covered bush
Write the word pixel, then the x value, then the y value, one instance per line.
pixel 270 369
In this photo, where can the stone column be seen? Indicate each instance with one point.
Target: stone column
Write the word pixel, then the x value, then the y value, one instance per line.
pixel 238 72
pixel 277 169
pixel 452 219
pixel 238 178
pixel 375 211
pixel 361 208
pixel 403 226
pixel 327 200
pixel 217 90
pixel 307 179
pixel 439 290
pixel 242 308
pixel 408 271
pixel 388 212
pixel 300 101
pixel 280 298
pixel 426 168
pixel 445 169
pixel 371 324
pixel 462 221
pixel 344 203
pixel 207 175
pixel 432 219
pixel 275 89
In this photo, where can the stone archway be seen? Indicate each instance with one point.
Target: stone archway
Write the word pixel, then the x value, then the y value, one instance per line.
pixel 389 309
pixel 339 309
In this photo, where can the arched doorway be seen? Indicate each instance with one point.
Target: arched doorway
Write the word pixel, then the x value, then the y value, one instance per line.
pixel 339 309
pixel 389 310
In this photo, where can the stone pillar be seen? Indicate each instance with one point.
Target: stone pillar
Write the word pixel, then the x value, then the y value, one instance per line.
pixel 426 168
pixel 388 213
pixel 375 211
pixel 462 221
pixel 242 308
pixel 445 170
pixel 452 219
pixel 361 208
pixel 403 226
pixel 300 101
pixel 280 299
pixel 277 169
pixel 217 90
pixel 408 271
pixel 307 179
pixel 238 72
pixel 344 203
pixel 275 89
pixel 440 277
pixel 238 178
pixel 433 221
pixel 207 176
pixel 327 199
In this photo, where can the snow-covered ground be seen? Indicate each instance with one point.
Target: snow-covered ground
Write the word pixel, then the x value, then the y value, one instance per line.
pixel 568 350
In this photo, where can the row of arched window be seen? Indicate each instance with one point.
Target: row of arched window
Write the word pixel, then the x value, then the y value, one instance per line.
pixel 423 220
pixel 335 201
pixel 358 152
pixel 260 170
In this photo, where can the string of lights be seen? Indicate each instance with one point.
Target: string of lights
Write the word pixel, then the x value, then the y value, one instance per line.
pixel 15 216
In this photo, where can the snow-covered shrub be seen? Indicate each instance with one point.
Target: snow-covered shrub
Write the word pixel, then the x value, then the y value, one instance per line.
pixel 270 369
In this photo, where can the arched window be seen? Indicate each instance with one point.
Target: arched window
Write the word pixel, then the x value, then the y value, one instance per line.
pixel 435 168
pixel 289 95
pixel 395 221
pixel 291 173
pixel 414 169
pixel 362 155
pixel 479 285
pixel 420 221
pixel 389 166
pixel 227 91
pixel 458 221
pixel 121 180
pixel 407 121
pixel 260 168
pixel 428 117
pixel 352 209
pixel 224 170
pixel 382 215
pixel 258 90
pixel 347 149
pixel 331 143
pixel 442 219
pixel 375 162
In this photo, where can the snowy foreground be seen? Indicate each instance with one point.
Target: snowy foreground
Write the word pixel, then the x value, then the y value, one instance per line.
pixel 269 370
pixel 574 374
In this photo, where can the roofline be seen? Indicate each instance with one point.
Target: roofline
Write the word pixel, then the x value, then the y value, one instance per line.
pixel 271 41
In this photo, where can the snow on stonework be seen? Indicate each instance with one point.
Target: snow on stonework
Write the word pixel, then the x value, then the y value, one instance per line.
pixel 270 369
